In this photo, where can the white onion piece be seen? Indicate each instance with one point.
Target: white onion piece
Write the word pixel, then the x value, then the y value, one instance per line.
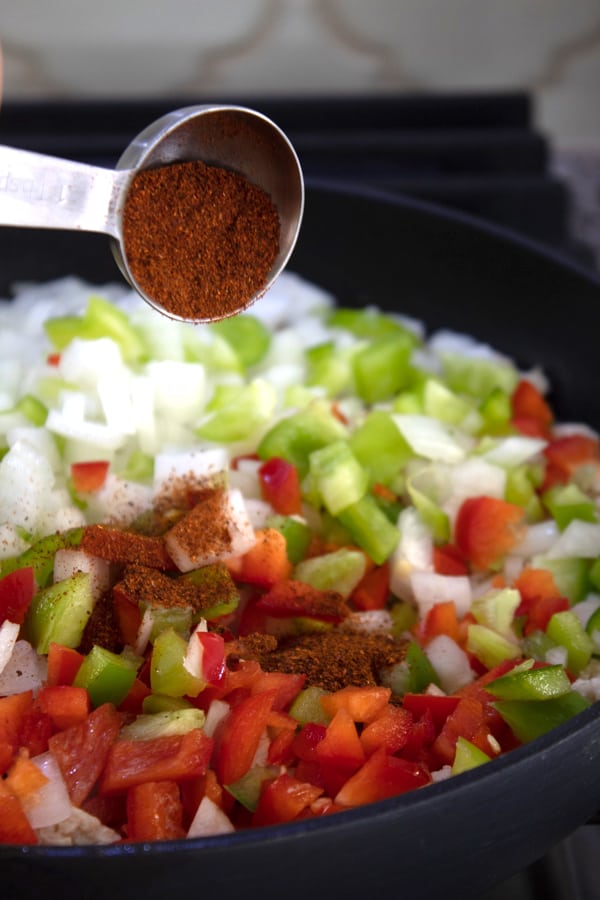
pixel 202 465
pixel 537 539
pixel 69 560
pixel 179 388
pixel 144 631
pixel 51 803
pixel 580 539
pixel 194 655
pixel 9 632
pixel 119 500
pixel 209 820
pixel 24 671
pixel 215 714
pixel 586 608
pixel 474 477
pixel 430 588
pixel 413 553
pixel 514 450
pixel 26 480
pixel 450 662
pixel 429 438
pixel 259 511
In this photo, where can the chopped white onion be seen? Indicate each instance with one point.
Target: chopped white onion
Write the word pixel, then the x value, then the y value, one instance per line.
pixel 9 632
pixel 215 713
pixel 514 450
pixel 24 671
pixel 537 539
pixel 579 539
pixel 430 588
pixel 202 464
pixel 69 560
pixel 450 662
pixel 51 803
pixel 209 819
pixel 430 438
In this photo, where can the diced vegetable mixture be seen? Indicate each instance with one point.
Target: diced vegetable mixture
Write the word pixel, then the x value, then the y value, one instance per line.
pixel 295 562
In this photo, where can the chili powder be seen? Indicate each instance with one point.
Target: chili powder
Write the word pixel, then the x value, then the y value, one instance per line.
pixel 199 240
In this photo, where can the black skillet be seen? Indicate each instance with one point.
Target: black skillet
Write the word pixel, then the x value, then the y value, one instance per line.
pixel 452 839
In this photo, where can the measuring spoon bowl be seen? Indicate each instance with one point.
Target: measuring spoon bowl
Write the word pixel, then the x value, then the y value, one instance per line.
pixel 39 191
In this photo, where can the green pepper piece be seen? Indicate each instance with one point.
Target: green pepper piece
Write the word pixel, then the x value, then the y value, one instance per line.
pixel 247 789
pixel 490 647
pixel 306 706
pixel 467 756
pixel 246 335
pixel 296 436
pixel 218 594
pixel 100 319
pixel 33 409
pixel 59 613
pixel 168 674
pixel 532 684
pixel 567 631
pixel 382 369
pixel 404 616
pixel 370 528
pixel 40 556
pixel 161 724
pixel 443 404
pixel 496 610
pixel 496 412
pixel 529 719
pixel 106 676
pixel 478 376
pixel 567 502
pixel 414 674
pixel 379 446
pixel 593 629
pixel 337 476
pixel 239 413
pixel 297 535
pixel 341 570
pixel 328 368
pixel 157 703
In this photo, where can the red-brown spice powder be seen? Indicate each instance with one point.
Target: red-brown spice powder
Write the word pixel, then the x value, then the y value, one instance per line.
pixel 200 240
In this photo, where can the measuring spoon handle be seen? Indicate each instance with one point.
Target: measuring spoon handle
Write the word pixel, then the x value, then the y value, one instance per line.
pixel 39 191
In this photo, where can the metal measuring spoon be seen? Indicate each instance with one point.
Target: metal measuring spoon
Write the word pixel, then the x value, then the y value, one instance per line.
pixel 39 191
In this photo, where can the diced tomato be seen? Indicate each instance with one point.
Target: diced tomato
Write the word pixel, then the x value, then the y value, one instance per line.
pixel 381 776
pixel 14 824
pixel 566 454
pixel 340 754
pixel 63 664
pixel 283 799
pixel 173 757
pixel 82 750
pixel 290 598
pixel 468 721
pixel 154 812
pixel 280 486
pixel 486 528
pixel 448 560
pixel 238 735
pixel 373 589
pixel 363 704
pixel 65 704
pixel 439 705
pixel 390 730
pixel 90 476
pixel 266 563
pixel 531 412
pixel 16 593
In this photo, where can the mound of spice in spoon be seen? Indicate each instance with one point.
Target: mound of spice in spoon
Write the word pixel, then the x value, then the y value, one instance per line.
pixel 199 239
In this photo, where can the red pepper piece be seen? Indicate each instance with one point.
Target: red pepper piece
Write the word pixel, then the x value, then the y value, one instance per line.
pixel 89 476
pixel 340 754
pixel 390 730
pixel 283 799
pixel 280 486
pixel 440 706
pixel 373 589
pixel 63 664
pixel 382 776
pixel 486 528
pixel 289 599
pixel 65 704
pixel 238 736
pixel 531 413
pixel 16 593
pixel 82 750
pixel 14 824
pixel 566 454
pixel 154 812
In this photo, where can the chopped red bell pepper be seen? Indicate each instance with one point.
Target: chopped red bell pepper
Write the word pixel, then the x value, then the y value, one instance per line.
pixel 439 705
pixel 65 704
pixel 469 721
pixel 448 560
pixel 174 757
pixel 340 754
pixel 373 589
pixel 363 704
pixel 16 593
pixel 280 486
pixel 380 777
pixel 266 563
pixel 154 812
pixel 290 598
pixel 238 736
pixel 486 529
pixel 14 824
pixel 566 454
pixel 63 664
pixel 531 412
pixel 283 799
pixel 442 618
pixel 391 730
pixel 82 750
pixel 89 476
pixel 284 686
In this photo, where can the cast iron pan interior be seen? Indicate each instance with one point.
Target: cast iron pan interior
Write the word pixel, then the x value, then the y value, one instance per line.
pixel 474 831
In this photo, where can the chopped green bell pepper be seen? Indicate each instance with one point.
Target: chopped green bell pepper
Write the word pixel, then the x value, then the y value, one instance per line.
pixel 106 676
pixel 168 674
pixel 59 613
pixel 467 756
pixel 529 719
pixel 567 631
pixel 531 684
